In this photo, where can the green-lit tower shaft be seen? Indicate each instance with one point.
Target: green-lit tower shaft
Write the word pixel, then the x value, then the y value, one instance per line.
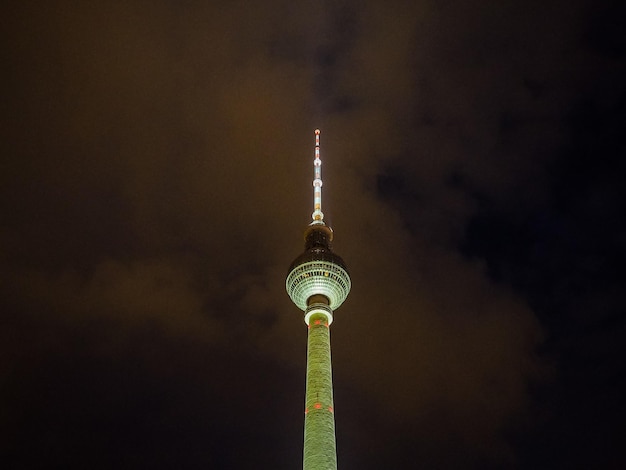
pixel 319 419
pixel 318 282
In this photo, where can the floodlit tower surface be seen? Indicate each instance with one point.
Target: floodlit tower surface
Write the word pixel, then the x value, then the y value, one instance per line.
pixel 318 283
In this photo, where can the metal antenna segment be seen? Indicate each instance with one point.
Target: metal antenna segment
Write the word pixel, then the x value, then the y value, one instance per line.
pixel 318 215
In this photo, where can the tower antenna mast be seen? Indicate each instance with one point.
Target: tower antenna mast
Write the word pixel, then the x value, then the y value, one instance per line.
pixel 318 215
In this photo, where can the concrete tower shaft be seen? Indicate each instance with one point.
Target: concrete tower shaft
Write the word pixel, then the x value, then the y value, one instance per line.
pixel 319 420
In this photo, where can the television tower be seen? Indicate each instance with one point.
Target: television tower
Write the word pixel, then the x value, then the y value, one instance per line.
pixel 318 283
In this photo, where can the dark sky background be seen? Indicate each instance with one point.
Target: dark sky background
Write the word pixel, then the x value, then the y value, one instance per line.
pixel 155 182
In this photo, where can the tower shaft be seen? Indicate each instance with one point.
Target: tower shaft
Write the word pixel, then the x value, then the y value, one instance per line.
pixel 319 422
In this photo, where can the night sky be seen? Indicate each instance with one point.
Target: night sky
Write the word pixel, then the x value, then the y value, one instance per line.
pixel 155 182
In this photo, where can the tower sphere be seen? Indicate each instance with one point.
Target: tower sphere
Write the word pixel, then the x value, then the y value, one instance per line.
pixel 318 271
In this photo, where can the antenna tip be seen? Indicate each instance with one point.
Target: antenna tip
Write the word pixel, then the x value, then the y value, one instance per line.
pixel 317 132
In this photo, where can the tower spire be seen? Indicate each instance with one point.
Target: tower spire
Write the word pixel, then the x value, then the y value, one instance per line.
pixel 318 215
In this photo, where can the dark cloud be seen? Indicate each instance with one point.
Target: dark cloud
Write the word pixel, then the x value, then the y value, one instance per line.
pixel 154 188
